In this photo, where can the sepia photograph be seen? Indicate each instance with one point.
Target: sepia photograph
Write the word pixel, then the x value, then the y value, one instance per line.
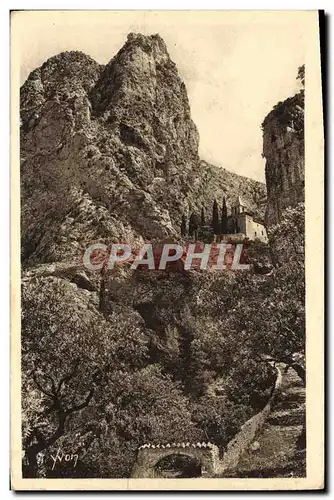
pixel 168 321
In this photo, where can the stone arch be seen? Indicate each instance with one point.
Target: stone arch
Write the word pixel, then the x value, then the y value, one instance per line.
pixel 149 456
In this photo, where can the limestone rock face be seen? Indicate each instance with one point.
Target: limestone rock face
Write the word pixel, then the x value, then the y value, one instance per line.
pixel 283 148
pixel 110 154
pixel 217 182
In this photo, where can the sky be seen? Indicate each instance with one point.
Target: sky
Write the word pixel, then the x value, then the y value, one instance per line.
pixel 236 65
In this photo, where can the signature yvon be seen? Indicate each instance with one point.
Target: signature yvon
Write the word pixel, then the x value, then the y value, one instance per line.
pixel 67 457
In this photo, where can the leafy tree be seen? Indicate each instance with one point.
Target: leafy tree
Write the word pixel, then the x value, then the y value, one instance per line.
pixel 249 382
pixel 219 418
pixel 67 347
pixel 279 331
pixel 301 74
pixel 100 384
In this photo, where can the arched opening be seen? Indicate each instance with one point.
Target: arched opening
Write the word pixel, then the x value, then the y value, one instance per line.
pixel 178 466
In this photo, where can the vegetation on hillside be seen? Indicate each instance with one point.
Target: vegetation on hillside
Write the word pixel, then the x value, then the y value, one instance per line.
pixel 174 358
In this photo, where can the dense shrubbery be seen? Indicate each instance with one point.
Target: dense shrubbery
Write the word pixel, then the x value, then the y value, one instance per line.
pixel 100 383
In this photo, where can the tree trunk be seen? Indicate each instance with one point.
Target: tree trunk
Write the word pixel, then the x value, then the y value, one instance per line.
pixel 30 469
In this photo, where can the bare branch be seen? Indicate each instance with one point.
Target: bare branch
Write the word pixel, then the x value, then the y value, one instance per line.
pixel 68 377
pixel 83 404
pixel 52 383
pixel 39 386
pixel 60 430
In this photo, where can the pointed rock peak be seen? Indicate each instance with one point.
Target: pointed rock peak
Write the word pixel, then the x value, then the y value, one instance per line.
pixel 146 42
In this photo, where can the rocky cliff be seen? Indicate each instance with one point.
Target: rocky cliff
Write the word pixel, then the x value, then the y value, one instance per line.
pixel 283 148
pixel 218 182
pixel 110 153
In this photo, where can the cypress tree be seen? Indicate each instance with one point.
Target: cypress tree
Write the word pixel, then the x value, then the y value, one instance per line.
pixel 193 225
pixel 224 217
pixel 215 218
pixel 184 226
pixel 202 217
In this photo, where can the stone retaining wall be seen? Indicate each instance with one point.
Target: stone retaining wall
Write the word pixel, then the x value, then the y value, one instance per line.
pixel 240 443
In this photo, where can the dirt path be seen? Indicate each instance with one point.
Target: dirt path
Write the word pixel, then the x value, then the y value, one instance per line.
pixel 278 455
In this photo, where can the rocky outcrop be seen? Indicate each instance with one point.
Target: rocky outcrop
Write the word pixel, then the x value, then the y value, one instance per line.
pixel 110 153
pixel 283 148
